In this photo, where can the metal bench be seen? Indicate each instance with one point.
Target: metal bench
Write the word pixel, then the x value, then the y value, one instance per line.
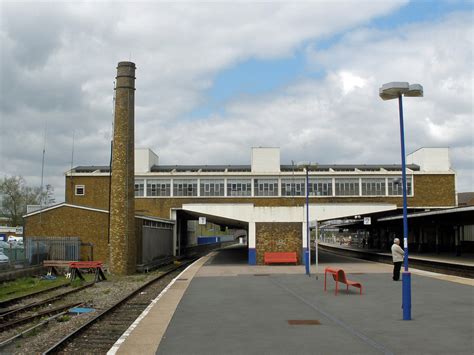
pixel 280 257
pixel 340 276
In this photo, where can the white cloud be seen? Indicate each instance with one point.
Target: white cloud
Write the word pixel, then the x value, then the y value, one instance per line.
pixel 58 66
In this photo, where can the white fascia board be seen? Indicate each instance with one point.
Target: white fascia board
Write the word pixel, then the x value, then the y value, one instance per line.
pixel 235 211
pixel 156 219
pixel 65 205
pixel 320 212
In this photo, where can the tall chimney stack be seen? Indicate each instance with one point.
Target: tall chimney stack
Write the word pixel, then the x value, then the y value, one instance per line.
pixel 122 201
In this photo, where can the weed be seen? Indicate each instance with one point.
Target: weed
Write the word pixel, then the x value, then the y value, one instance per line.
pixel 76 283
pixel 64 318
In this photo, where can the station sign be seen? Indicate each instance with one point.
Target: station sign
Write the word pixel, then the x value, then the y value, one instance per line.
pixel 19 230
pixel 202 220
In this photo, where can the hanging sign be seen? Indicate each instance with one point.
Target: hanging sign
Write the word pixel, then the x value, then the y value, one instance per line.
pixel 202 220
pixel 367 220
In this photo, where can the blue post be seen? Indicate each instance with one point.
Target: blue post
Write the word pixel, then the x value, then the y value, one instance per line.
pixel 406 277
pixel 307 257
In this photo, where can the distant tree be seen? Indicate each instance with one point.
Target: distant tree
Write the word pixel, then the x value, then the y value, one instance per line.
pixel 16 196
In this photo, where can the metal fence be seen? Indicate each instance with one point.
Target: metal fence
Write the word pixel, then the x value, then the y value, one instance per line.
pixel 11 253
pixel 38 249
pixel 156 243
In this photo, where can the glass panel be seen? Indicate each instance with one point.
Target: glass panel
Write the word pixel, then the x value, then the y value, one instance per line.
pixel 320 187
pixel 395 186
pixel 158 187
pixel 373 187
pixel 293 187
pixel 239 187
pixel 347 187
pixel 266 187
pixel 139 187
pixel 185 187
pixel 212 187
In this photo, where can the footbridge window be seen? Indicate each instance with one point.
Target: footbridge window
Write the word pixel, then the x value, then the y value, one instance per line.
pixel 293 187
pixel 320 187
pixel 212 187
pixel 373 187
pixel 347 187
pixel 395 186
pixel 185 187
pixel 158 187
pixel 266 187
pixel 139 187
pixel 239 187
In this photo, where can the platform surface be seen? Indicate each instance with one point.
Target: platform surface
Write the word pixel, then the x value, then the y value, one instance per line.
pixel 227 307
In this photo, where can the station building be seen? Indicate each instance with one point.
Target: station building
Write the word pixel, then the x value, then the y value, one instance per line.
pixel 267 199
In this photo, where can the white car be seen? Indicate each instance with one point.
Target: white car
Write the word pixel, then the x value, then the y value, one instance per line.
pixel 3 258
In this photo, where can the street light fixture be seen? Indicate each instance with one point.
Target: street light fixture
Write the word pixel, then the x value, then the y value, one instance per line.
pixel 389 91
pixel 307 165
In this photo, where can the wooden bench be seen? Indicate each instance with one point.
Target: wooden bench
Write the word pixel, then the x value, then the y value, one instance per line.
pixel 340 276
pixel 76 266
pixel 280 257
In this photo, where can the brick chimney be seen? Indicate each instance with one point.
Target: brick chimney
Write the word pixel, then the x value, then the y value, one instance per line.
pixel 122 201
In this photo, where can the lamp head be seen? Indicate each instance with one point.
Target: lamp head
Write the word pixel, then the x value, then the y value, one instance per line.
pixel 392 90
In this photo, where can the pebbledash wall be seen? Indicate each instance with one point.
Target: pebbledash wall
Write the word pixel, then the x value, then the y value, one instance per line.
pixel 272 191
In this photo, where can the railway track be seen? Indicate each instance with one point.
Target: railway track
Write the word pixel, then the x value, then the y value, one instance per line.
pixel 99 334
pixel 5 304
pixel 16 318
pixel 12 312
pixel 442 267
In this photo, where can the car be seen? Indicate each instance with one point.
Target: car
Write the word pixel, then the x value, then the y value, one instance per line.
pixel 4 259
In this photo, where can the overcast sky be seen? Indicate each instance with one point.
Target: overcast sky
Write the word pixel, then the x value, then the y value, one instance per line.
pixel 214 80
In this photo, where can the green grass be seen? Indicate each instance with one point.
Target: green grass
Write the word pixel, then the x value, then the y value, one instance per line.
pixel 64 318
pixel 27 285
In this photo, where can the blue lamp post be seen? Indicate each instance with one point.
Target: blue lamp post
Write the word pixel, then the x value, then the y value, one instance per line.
pixel 307 255
pixel 389 91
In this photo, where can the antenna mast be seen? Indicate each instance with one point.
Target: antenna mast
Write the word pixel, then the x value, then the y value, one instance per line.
pixel 42 171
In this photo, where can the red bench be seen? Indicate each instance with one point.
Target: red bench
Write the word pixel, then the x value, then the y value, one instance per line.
pixel 340 276
pixel 279 257
pixel 76 266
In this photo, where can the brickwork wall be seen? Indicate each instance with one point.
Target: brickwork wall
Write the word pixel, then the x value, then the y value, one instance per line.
pixel 430 190
pixel 89 226
pixel 96 191
pixel 278 237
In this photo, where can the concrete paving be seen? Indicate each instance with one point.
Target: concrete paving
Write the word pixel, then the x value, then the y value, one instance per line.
pixel 239 309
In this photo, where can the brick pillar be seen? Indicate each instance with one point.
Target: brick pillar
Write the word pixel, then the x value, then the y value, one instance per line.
pixel 122 201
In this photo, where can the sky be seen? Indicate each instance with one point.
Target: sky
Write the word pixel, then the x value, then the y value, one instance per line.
pixel 215 79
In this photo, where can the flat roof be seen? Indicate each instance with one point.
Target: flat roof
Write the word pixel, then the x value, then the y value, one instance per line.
pixel 248 168
pixel 430 213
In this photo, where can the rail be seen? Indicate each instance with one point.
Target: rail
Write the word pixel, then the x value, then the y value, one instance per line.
pixel 448 268
pixel 63 343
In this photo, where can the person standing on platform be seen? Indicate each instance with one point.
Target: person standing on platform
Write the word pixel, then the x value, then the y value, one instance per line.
pixel 397 256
